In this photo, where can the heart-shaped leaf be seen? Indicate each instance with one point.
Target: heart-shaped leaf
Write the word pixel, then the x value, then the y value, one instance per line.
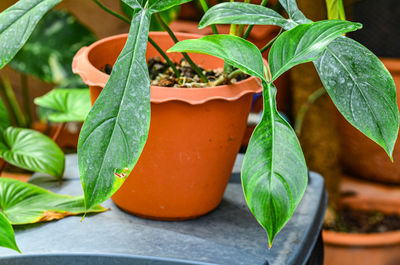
pixel 243 13
pixel 24 203
pixel 232 49
pixel 32 150
pixel 305 43
pixel 17 24
pixel 5 121
pixel 48 53
pixel 293 11
pixel 274 171
pixel 362 89
pixel 115 131
pixel 66 104
pixel 7 236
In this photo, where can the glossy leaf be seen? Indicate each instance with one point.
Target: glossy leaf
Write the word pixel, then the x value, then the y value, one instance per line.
pixel 115 131
pixel 7 236
pixel 274 171
pixel 335 9
pixel 362 90
pixel 66 104
pixel 24 203
pixel 153 5
pixel 243 13
pixel 17 24
pixel 5 121
pixel 232 49
pixel 49 51
pixel 305 43
pixel 32 150
pixel 293 11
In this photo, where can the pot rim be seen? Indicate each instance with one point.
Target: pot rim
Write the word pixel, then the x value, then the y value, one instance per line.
pixel 365 240
pixel 81 66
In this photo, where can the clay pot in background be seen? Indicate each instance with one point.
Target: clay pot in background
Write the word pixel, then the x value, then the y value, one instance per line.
pixel 193 141
pixel 360 156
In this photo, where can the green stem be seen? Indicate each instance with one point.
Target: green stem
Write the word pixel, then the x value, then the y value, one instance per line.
pixel 185 55
pixel 112 12
pixel 269 44
pixel 235 74
pixel 25 99
pixel 304 108
pixel 11 99
pixel 250 27
pixel 204 5
pixel 171 64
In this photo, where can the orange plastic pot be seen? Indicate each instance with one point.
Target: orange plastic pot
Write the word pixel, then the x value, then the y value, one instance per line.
pixel 194 136
pixel 371 160
pixel 363 249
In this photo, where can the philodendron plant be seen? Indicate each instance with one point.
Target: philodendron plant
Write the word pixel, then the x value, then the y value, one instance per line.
pixel 274 173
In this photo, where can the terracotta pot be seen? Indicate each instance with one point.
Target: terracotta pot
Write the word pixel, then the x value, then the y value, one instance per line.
pixel 194 136
pixel 371 160
pixel 363 249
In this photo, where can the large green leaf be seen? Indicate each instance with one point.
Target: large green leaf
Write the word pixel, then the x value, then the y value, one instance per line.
pixel 115 131
pixel 335 9
pixel 293 11
pixel 5 121
pixel 7 237
pixel 305 43
pixel 17 23
pixel 66 104
pixel 32 150
pixel 243 13
pixel 153 5
pixel 274 171
pixel 232 49
pixel 49 51
pixel 362 90
pixel 24 203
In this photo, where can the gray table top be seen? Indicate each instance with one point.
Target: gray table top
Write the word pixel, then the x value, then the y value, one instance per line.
pixel 228 235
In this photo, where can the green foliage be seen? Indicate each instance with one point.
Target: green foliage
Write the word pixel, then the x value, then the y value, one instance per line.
pixel 53 44
pixel 5 121
pixel 23 203
pixel 32 150
pixel 305 43
pixel 17 24
pixel 335 9
pixel 65 105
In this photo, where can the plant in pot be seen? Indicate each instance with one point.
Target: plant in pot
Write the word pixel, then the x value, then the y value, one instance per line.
pixel 115 138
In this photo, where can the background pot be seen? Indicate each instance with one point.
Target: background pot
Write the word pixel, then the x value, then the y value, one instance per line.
pixel 363 249
pixel 193 140
pixel 361 156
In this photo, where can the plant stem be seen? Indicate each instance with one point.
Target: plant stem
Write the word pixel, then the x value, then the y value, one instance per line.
pixel 185 55
pixel 11 99
pixel 171 64
pixel 250 27
pixel 269 44
pixel 205 8
pixel 25 99
pixel 112 12
pixel 235 74
pixel 304 108
pixel 59 129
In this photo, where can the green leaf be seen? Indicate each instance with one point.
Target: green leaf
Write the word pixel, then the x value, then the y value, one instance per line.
pixel 293 11
pixel 32 150
pixel 243 13
pixel 68 104
pixel 115 131
pixel 24 203
pixel 5 121
pixel 335 9
pixel 362 90
pixel 274 171
pixel 232 49
pixel 17 23
pixel 153 5
pixel 305 43
pixel 7 236
pixel 49 51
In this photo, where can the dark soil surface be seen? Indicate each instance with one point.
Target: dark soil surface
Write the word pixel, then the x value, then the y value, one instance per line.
pixel 356 221
pixel 161 74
